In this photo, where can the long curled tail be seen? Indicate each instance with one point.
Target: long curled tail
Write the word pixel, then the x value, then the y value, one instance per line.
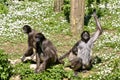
pixel 64 56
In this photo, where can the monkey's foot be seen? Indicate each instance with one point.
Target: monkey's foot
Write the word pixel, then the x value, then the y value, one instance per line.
pixel 38 70
pixel 84 71
pixel 75 73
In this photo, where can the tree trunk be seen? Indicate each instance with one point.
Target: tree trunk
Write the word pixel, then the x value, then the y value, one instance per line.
pixel 77 15
pixel 58 5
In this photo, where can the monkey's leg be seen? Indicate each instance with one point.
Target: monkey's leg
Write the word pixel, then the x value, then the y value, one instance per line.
pixel 29 52
pixel 59 62
pixel 44 65
pixel 38 62
pixel 33 56
pixel 76 64
pixel 95 60
pixel 87 66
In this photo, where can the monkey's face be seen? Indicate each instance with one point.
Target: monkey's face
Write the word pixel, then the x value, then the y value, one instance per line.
pixel 26 29
pixel 37 38
pixel 85 36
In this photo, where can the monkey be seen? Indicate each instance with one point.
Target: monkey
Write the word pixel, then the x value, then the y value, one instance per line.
pixel 31 42
pixel 46 48
pixel 74 52
pixel 80 55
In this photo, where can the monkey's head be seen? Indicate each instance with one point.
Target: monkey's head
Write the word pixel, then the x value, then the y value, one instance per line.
pixel 85 36
pixel 39 37
pixel 27 29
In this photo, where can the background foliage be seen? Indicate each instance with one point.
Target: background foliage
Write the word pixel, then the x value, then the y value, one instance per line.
pixel 3 7
pixel 5 66
pixel 99 5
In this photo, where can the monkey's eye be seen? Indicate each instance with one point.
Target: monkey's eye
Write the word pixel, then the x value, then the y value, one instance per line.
pixel 36 36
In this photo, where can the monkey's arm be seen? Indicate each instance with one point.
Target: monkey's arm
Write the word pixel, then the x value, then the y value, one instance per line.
pixel 28 52
pixel 98 27
pixel 38 53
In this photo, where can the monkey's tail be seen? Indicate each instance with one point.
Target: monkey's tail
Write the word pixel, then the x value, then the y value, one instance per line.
pixel 65 55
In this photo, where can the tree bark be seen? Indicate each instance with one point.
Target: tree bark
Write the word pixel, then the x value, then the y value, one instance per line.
pixel 58 5
pixel 77 15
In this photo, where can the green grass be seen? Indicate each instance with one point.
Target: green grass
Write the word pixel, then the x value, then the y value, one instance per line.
pixel 40 16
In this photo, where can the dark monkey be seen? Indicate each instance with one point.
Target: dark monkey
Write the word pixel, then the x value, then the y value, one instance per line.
pixel 48 51
pixel 80 54
pixel 31 41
